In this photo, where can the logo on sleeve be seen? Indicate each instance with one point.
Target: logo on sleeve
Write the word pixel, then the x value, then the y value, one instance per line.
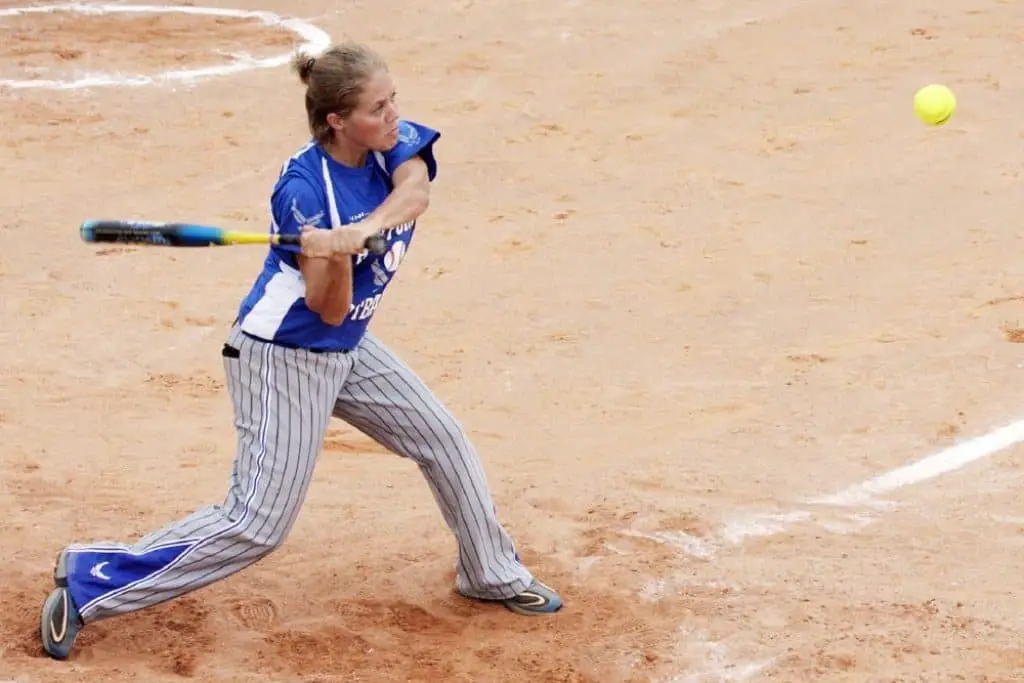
pixel 313 221
pixel 407 133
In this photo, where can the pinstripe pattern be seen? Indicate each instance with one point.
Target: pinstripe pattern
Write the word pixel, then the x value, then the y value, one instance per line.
pixel 283 399
pixel 385 400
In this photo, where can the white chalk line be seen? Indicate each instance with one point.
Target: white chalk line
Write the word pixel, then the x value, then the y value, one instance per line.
pixel 944 461
pixel 864 508
pixel 860 501
pixel 721 668
pixel 718 663
pixel 316 39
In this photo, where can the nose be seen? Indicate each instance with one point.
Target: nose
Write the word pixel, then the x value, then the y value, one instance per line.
pixel 392 112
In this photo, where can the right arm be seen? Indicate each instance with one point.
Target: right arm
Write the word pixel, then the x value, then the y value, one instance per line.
pixel 328 286
pixel 298 209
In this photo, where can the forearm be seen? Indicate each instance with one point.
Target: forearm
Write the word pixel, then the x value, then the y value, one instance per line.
pixel 330 293
pixel 406 203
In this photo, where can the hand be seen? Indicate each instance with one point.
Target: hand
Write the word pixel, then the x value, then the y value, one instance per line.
pixel 316 243
pixel 351 239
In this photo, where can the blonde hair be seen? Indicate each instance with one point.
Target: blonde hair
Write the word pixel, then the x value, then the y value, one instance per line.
pixel 334 80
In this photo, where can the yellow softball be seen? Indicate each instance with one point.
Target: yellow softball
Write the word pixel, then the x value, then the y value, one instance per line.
pixel 934 104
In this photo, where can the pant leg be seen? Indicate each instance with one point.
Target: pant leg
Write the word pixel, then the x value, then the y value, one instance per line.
pixel 282 401
pixel 385 400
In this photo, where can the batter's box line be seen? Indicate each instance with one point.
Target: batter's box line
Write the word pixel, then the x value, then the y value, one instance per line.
pixel 858 505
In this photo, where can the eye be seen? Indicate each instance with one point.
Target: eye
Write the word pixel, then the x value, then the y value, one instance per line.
pixel 379 107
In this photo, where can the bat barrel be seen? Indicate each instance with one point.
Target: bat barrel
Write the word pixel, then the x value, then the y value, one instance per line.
pixel 191 235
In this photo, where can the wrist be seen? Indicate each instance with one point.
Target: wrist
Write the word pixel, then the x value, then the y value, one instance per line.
pixel 339 258
pixel 337 253
pixel 371 226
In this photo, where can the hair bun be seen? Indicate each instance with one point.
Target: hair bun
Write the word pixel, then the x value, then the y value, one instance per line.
pixel 303 65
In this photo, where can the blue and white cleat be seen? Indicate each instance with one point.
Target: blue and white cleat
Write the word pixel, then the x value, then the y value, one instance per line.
pixel 59 622
pixel 535 600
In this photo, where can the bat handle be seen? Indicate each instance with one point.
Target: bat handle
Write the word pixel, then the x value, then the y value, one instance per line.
pixel 376 244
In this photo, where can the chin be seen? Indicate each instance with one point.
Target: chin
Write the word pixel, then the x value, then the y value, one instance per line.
pixel 390 140
pixel 385 145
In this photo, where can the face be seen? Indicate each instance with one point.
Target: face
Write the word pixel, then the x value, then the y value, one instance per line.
pixel 373 124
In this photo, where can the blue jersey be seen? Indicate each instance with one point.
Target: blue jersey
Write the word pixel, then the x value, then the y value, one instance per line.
pixel 314 189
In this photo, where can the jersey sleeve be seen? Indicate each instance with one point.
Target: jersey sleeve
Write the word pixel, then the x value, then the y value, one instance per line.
pixel 413 139
pixel 295 202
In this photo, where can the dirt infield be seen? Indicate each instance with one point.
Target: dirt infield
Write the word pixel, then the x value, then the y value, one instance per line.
pixel 688 267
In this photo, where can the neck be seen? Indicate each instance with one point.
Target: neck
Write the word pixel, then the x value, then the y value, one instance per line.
pixel 345 153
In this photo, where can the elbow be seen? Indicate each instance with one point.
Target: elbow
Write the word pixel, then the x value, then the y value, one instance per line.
pixel 422 201
pixel 328 289
pixel 418 199
pixel 315 304
pixel 334 318
pixel 330 313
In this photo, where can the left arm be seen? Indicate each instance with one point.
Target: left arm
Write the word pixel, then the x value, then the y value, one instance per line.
pixel 408 199
pixel 411 166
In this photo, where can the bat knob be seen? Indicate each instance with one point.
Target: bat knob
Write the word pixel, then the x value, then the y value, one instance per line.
pixel 376 244
pixel 87 230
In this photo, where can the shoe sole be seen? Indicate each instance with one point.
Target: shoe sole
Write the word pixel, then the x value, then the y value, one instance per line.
pixel 530 612
pixel 511 605
pixel 51 604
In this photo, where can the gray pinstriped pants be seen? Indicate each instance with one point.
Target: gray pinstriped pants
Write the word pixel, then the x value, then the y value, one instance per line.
pixel 283 399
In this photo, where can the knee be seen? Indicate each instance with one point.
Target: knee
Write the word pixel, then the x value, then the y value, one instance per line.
pixel 265 535
pixel 445 424
pixel 434 434
pixel 449 437
pixel 259 547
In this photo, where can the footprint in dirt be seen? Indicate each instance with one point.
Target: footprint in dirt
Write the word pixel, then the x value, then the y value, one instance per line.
pixel 353 635
pixel 254 614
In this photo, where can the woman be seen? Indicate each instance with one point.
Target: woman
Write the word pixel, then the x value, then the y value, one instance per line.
pixel 299 353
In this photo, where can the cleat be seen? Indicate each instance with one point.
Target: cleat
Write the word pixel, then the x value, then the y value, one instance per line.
pixel 59 623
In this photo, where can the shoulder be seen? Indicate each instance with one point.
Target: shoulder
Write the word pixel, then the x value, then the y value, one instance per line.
pixel 300 173
pixel 299 194
pixel 292 187
pixel 416 134
pixel 414 139
pixel 304 162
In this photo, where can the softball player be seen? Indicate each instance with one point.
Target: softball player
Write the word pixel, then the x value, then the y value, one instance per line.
pixel 299 353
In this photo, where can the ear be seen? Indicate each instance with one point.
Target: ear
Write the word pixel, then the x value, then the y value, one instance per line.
pixel 335 122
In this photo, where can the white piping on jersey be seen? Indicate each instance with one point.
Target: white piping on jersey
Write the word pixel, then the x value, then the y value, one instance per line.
pixel 302 150
pixel 282 291
pixel 332 202
pixel 287 286
pixel 329 184
pixel 274 227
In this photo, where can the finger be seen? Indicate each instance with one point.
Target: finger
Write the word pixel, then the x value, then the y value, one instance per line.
pixel 311 246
